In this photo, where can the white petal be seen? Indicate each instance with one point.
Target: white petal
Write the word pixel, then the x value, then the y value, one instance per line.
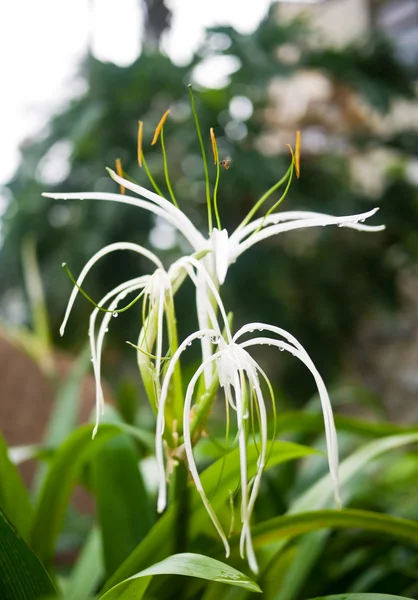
pixel 106 250
pixel 177 219
pixel 96 345
pixel 294 215
pixel 189 453
pixel 330 432
pixel 353 220
pixel 220 249
pixel 159 450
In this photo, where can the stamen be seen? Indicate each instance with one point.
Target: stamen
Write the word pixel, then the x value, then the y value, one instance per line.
pixel 119 171
pixel 214 146
pixel 159 127
pixel 140 131
pixel 297 154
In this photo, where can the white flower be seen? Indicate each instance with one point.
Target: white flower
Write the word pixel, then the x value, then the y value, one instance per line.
pixel 238 375
pixel 224 247
pixel 226 357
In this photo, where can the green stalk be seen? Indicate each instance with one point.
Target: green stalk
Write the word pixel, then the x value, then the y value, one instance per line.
pixel 167 177
pixel 205 162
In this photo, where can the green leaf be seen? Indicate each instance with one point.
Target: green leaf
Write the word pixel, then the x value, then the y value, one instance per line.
pixel 320 495
pixel 59 482
pixel 289 526
pixel 307 422
pixel 63 419
pixel 64 416
pixel 14 498
pixel 22 575
pixel 190 565
pixel 123 508
pixel 361 597
pixel 156 545
pixel 88 570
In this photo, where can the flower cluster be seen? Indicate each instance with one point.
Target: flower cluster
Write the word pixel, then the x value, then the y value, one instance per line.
pixel 226 362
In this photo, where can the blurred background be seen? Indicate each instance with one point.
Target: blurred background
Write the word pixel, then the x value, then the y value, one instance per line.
pixel 78 77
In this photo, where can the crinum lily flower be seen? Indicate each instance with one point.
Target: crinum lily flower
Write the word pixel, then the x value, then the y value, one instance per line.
pixel 239 376
pixel 226 359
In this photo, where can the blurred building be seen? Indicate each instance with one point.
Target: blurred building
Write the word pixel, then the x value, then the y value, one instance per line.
pixel 339 22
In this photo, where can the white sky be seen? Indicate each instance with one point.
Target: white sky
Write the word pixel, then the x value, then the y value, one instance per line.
pixel 42 42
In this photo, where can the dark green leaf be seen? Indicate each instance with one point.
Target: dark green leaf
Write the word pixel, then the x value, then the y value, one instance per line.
pixel 22 575
pixel 14 498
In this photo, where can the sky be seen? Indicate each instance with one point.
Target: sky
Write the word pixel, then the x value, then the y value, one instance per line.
pixel 43 41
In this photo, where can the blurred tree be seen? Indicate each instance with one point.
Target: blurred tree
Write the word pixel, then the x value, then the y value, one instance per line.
pixel 318 284
pixel 158 19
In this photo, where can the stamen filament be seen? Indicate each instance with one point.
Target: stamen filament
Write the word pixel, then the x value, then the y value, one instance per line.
pixel 263 198
pixel 150 177
pixel 167 177
pixel 205 163
pixel 215 190
pixel 95 304
pixel 140 132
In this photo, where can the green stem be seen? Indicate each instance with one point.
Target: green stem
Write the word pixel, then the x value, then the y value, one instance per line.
pixel 205 162
pixel 167 177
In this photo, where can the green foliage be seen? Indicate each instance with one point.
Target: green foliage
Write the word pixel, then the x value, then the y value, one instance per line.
pixel 22 576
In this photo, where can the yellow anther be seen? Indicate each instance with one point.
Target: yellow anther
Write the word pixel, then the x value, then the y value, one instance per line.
pixel 159 127
pixel 297 154
pixel 214 146
pixel 119 171
pixel 140 127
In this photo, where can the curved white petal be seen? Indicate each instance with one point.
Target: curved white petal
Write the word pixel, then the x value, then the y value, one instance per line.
pixel 96 345
pixel 189 452
pixel 159 201
pixel 238 248
pixel 159 450
pixel 294 215
pixel 330 432
pixel 220 248
pixel 177 219
pixel 106 250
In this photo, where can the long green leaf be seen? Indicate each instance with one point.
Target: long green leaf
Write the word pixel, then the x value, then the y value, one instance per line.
pixel 156 546
pixel 190 565
pixel 59 483
pixel 289 526
pixel 308 422
pixel 22 575
pixel 88 571
pixel 14 498
pixel 123 508
pixel 319 496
